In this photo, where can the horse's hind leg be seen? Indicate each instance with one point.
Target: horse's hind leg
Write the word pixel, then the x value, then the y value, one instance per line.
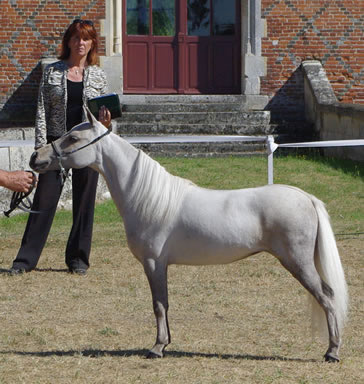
pixel 308 276
pixel 332 354
pixel 157 277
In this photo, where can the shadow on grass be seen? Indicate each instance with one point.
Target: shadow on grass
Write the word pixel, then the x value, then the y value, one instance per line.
pixel 350 167
pixel 64 270
pixel 143 353
pixel 7 271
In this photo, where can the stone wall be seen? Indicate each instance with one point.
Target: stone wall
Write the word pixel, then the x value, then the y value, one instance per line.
pixel 333 120
pixel 329 31
pixel 29 31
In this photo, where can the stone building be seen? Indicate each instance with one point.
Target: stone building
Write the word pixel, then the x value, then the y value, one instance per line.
pixel 280 66
pixel 249 47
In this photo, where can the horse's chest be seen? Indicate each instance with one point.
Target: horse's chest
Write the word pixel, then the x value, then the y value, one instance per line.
pixel 147 242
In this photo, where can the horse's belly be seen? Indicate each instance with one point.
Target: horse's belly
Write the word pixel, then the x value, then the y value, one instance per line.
pixel 213 242
pixel 208 253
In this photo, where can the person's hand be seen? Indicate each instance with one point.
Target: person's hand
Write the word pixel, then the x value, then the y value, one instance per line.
pixel 20 181
pixel 105 116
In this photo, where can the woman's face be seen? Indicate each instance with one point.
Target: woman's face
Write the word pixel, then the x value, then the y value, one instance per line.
pixel 79 46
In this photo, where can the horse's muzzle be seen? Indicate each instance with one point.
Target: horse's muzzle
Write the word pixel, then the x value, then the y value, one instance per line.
pixel 33 158
pixel 36 164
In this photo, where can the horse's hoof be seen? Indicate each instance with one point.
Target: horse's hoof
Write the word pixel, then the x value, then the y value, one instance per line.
pixel 331 359
pixel 152 355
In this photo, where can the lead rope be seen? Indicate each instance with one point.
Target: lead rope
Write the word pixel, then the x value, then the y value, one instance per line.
pixel 17 199
pixel 22 201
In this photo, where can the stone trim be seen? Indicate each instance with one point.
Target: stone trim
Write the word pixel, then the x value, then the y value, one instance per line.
pixel 332 119
pixel 253 64
pixel 111 29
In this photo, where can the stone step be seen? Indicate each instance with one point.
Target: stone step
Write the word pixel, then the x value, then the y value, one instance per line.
pixel 195 115
pixel 125 128
pixel 204 149
pixel 183 107
pixel 256 102
pixel 253 118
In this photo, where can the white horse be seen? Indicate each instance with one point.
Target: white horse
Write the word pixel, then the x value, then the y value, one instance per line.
pixel 170 220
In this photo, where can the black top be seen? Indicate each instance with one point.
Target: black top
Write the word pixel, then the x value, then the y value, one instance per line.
pixel 74 103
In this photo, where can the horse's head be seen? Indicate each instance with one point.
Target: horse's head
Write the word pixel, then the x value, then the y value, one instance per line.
pixel 72 150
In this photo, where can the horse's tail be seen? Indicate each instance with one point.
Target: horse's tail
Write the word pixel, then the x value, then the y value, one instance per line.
pixel 328 265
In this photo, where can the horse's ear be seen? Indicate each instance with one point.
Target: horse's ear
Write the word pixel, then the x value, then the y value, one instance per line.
pixel 90 117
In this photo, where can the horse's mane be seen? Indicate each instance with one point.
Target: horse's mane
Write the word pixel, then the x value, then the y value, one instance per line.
pixel 155 194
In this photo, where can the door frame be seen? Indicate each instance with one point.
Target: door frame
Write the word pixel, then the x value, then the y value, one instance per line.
pixel 253 64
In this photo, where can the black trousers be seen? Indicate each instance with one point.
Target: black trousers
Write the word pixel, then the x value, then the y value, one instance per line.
pixel 46 197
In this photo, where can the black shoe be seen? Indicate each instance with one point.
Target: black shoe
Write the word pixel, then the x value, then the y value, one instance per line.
pixel 16 271
pixel 78 271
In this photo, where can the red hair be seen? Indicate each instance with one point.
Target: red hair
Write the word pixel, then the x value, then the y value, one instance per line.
pixel 86 31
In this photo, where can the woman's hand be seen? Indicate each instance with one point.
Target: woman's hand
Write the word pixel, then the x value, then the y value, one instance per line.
pixel 105 116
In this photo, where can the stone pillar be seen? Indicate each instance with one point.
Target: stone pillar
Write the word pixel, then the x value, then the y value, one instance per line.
pixel 111 29
pixel 253 64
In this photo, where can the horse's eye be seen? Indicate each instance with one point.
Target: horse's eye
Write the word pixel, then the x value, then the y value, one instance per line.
pixel 73 139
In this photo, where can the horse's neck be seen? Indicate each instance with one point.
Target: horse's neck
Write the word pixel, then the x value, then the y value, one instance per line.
pixel 116 166
pixel 141 188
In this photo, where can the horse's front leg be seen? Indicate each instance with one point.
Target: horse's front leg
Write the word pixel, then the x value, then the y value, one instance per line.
pixel 157 277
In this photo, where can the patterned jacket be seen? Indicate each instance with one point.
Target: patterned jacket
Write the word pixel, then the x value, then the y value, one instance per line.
pixel 52 98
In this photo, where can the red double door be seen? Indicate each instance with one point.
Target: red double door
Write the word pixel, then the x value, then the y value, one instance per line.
pixel 181 46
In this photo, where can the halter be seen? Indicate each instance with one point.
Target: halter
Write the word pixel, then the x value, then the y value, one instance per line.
pixel 64 172
pixel 59 154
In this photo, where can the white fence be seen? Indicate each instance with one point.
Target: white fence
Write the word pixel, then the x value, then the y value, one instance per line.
pixel 272 146
pixel 269 140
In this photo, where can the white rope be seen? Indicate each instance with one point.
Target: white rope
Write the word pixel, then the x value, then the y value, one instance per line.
pixel 323 144
pixel 16 143
pixel 190 139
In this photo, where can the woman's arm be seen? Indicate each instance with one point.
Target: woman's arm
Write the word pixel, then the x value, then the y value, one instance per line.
pixel 41 121
pixel 104 113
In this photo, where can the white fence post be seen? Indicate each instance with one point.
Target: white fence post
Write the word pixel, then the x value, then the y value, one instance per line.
pixel 271 147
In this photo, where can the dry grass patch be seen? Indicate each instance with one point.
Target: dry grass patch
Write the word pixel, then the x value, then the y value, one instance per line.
pixel 243 322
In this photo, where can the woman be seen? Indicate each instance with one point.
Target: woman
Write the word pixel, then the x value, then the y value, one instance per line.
pixel 65 88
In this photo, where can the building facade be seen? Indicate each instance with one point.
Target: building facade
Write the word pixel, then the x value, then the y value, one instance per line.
pixel 249 47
